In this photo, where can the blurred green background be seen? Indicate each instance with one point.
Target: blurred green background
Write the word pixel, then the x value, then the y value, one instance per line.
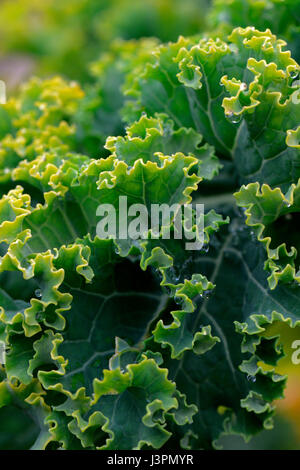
pixel 51 37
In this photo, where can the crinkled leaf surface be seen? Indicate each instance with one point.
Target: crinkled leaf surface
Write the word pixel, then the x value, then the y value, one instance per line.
pixel 134 343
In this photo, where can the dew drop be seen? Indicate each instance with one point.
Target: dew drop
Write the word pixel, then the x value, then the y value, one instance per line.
pixel 38 293
pixel 251 378
pixel 117 250
pixel 233 118
pixel 294 74
pixel 204 249
pixel 243 86
pixel 207 294
pixel 178 300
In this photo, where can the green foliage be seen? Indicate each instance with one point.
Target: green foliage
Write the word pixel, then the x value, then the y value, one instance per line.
pixel 125 344
pixel 63 36
pixel 281 17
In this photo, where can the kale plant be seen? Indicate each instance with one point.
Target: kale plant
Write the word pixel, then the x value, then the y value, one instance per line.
pixel 116 343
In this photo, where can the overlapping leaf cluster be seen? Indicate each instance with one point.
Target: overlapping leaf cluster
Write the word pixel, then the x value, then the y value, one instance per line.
pixel 132 344
pixel 282 17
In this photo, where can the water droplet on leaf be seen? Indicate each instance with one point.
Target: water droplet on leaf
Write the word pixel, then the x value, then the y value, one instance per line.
pixel 234 118
pixel 294 74
pixel 204 249
pixel 251 378
pixel 178 300
pixel 38 293
pixel 207 294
